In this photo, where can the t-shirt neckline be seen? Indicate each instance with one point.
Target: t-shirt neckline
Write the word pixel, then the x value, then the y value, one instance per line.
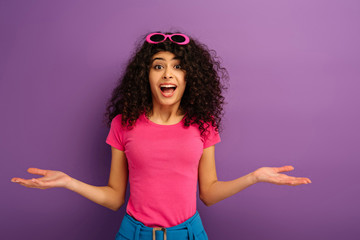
pixel 162 125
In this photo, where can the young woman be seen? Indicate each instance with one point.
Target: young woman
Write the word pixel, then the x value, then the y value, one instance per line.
pixel 164 119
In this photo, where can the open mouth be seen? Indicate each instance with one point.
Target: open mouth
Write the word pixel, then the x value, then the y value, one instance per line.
pixel 167 89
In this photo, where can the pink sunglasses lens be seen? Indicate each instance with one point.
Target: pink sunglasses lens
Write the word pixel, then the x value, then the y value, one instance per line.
pixel 157 38
pixel 178 38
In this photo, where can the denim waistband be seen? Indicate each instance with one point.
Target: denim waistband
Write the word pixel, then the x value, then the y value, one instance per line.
pixel 133 229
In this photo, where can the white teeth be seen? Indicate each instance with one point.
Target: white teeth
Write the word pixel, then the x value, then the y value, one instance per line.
pixel 167 86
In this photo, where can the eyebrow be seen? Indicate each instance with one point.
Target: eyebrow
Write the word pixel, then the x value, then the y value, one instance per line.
pixel 162 59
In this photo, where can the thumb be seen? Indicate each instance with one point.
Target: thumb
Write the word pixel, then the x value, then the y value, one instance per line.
pixel 284 169
pixel 37 171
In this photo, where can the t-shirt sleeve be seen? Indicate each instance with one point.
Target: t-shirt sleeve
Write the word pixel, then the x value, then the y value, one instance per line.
pixel 115 136
pixel 212 137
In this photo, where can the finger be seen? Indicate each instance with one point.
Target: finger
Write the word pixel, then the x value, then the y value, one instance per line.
pixel 305 180
pixel 284 169
pixel 30 183
pixel 26 185
pixel 295 181
pixel 14 180
pixel 24 182
pixel 18 180
pixel 298 179
pixel 37 171
pixel 36 182
pixel 298 182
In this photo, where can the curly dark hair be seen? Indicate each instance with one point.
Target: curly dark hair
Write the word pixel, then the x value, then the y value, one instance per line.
pixel 202 101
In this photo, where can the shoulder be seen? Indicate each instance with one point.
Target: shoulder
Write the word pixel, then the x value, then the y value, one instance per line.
pixel 205 128
pixel 116 123
pixel 116 120
pixel 211 135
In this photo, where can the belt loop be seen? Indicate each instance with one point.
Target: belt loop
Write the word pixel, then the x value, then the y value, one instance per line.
pixel 190 231
pixel 159 229
pixel 137 232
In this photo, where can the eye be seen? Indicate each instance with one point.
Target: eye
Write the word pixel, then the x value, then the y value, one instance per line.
pixel 157 67
pixel 177 66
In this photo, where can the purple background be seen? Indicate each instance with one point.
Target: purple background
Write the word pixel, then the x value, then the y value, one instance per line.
pixel 293 99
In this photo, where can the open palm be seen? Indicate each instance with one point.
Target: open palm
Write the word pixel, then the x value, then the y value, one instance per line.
pixel 273 175
pixel 50 179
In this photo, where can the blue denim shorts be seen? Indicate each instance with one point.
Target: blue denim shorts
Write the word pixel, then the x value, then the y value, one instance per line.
pixel 191 229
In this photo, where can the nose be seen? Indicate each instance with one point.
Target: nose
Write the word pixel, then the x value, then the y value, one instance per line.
pixel 167 73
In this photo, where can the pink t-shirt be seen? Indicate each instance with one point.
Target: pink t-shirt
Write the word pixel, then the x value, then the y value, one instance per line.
pixel 163 165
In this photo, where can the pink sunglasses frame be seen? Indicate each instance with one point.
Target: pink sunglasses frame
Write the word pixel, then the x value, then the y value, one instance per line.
pixel 187 39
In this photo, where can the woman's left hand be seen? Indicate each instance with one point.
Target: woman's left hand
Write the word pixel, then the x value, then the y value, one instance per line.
pixel 273 175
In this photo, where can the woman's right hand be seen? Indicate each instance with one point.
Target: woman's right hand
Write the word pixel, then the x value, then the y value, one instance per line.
pixel 50 179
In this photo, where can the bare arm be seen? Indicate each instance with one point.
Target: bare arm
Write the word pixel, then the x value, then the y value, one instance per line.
pixel 111 196
pixel 213 191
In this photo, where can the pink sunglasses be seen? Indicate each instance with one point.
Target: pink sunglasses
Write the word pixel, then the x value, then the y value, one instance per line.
pixel 177 38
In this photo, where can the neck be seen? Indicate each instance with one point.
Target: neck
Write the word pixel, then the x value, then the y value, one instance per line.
pixel 166 115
